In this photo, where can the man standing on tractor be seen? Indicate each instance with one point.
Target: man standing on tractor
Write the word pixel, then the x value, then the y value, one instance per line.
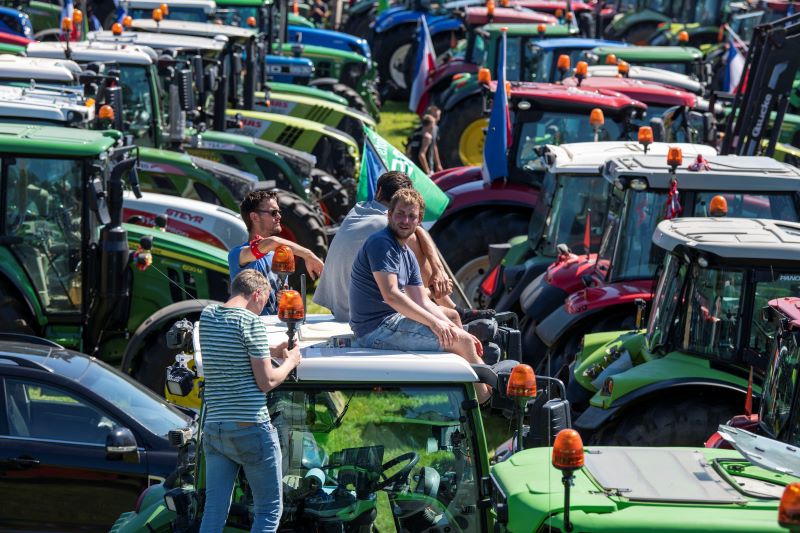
pixel 262 216
pixel 389 308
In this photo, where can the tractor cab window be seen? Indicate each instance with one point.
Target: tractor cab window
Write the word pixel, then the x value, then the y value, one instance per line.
pixel 616 202
pixel 636 257
pixel 708 12
pixel 44 209
pixel 667 300
pixel 383 458
pixel 513 72
pixel 713 312
pixel 478 53
pixel 769 285
pixel 137 101
pixel 187 14
pixel 779 390
pixel 748 205
pixel 235 15
pixel 557 127
pixel 574 198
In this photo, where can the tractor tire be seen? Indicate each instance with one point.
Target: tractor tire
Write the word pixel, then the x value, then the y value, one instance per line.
pixel 333 198
pixel 358 25
pixel 391 59
pixel 462 133
pixel 465 238
pixel 14 315
pixel 301 224
pixel 669 422
pixel 354 99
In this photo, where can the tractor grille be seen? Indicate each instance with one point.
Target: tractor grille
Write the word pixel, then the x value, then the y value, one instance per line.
pixel 324 69
pixel 319 114
pixel 289 136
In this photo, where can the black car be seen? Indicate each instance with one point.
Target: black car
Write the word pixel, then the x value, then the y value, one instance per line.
pixel 79 441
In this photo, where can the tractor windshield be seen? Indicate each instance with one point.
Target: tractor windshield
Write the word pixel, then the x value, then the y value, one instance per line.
pixel 555 127
pixel 665 302
pixel 635 257
pixel 188 14
pixel 574 196
pixel 539 64
pixel 236 15
pixel 137 101
pixel 387 458
pixel 780 388
pixel 45 212
pixel 769 285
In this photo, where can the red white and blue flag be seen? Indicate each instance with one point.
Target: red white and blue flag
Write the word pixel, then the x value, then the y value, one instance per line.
pixel 734 66
pixel 426 61
pixel 498 135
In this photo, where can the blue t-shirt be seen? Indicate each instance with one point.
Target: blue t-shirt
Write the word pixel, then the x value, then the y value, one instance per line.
pixel 380 253
pixel 263 265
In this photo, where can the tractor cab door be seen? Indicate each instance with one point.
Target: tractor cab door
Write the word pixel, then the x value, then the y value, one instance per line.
pixel 44 212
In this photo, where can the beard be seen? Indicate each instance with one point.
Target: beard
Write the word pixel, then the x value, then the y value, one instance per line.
pixel 399 233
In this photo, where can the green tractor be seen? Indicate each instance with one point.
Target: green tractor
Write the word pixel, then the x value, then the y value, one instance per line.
pixel 672 383
pixel 679 59
pixel 68 266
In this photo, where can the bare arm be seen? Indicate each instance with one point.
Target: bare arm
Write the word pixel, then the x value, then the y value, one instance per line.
pixel 424 146
pixel 314 264
pixel 418 296
pixel 437 163
pixel 267 376
pixel 439 283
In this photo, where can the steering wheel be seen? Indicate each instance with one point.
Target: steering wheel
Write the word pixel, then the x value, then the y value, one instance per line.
pixel 412 459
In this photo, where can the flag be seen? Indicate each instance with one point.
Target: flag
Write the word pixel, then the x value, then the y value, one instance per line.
pixel 734 65
pixel 426 61
pixel 378 157
pixel 383 5
pixel 498 135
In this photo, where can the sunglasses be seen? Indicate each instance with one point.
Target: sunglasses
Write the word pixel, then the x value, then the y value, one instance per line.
pixel 274 213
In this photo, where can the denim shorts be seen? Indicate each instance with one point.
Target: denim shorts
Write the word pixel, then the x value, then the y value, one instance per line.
pixel 397 332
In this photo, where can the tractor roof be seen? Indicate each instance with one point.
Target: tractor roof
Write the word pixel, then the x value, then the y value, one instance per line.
pixel 162 41
pixel 748 239
pixel 725 173
pixel 651 54
pixel 33 105
pixel 644 91
pixel 478 16
pixel 323 362
pixel 525 30
pixel 85 52
pixel 658 75
pixel 589 157
pixel 200 29
pixel 55 141
pixel 60 71
pixel 209 6
pixel 555 94
pixel 579 43
pixel 255 3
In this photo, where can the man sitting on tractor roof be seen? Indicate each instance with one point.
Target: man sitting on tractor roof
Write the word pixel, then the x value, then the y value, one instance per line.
pixel 262 216
pixel 389 308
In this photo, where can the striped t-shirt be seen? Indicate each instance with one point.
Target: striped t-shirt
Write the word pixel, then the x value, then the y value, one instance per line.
pixel 229 337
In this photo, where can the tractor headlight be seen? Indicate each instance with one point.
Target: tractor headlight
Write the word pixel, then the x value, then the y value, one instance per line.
pixel 352 72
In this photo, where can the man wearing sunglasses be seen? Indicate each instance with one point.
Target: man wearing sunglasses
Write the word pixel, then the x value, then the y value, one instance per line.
pixel 262 216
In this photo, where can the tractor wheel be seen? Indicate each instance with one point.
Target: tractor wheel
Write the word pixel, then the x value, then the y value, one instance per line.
pixel 354 99
pixel 14 317
pixel 333 197
pixel 301 224
pixel 464 242
pixel 462 133
pixel 358 25
pixel 669 422
pixel 391 59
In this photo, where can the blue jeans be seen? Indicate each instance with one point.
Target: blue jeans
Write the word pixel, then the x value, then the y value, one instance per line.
pixel 227 446
pixel 397 332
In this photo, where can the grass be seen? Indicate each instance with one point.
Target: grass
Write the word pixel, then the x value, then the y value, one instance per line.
pixel 397 123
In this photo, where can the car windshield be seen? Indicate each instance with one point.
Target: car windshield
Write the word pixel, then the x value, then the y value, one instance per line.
pixel 574 197
pixel 780 388
pixel 236 15
pixel 152 411
pixel 665 302
pixel 554 127
pixel 337 443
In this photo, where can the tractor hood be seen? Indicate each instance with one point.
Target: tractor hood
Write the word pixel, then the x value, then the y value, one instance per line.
pixel 403 16
pixel 330 39
pixel 641 489
pixel 178 247
pixel 658 75
pixel 567 272
pixel 644 91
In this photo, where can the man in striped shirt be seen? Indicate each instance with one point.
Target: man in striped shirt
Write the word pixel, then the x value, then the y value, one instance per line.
pixel 238 371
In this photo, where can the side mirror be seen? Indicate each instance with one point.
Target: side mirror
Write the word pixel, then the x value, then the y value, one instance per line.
pixel 659 131
pixel 120 440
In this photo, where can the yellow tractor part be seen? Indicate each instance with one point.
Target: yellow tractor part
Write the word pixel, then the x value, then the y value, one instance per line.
pixel 470 144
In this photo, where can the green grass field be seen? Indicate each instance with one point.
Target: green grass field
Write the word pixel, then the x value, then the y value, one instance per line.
pixel 397 122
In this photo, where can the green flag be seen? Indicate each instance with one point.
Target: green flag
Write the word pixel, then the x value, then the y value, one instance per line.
pixel 378 156
pixel 383 5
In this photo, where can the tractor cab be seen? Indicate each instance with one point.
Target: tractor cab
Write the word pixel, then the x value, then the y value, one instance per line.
pixel 705 327
pixel 542 60
pixel 190 10
pixel 683 60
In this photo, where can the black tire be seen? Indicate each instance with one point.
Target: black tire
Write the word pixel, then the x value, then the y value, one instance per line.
pixel 14 314
pixel 333 197
pixel 358 24
pixel 466 237
pixel 453 124
pixel 670 422
pixel 354 99
pixel 389 43
pixel 303 225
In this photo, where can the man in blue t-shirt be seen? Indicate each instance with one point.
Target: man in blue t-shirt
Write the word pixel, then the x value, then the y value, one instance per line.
pixel 262 216
pixel 389 309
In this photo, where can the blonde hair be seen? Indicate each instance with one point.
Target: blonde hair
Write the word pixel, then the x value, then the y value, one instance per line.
pixel 408 196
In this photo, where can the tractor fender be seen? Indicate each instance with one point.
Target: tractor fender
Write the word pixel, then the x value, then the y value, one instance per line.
pixel 593 418
pixel 359 8
pixel 405 17
pixel 159 321
pixel 619 293
pixel 453 177
pixel 443 74
pixel 620 26
pixel 559 323
pixel 323 82
pixel 518 277
pixel 458 96
pixel 15 280
pixel 475 194
pixel 444 24
pixel 540 298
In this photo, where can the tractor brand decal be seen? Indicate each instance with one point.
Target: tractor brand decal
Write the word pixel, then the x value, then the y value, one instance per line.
pixel 175 224
pixel 206 154
pixel 190 268
pixel 162 168
pixel 183 215
pixel 253 128
pixel 220 146
pixel 789 277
